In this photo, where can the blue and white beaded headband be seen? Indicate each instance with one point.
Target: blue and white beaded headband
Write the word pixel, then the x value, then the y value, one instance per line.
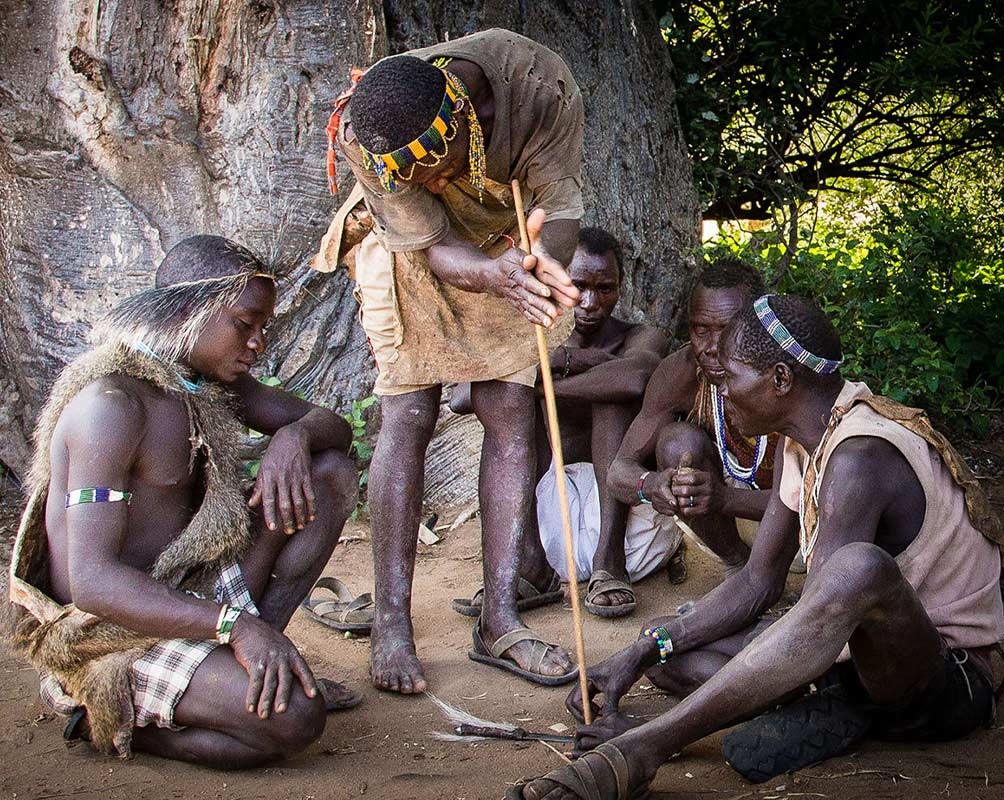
pixel 788 343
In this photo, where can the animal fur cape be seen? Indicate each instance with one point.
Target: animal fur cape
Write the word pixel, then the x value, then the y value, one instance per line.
pixel 91 658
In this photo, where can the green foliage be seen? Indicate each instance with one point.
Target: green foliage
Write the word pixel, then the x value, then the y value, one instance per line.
pixel 779 99
pixel 915 291
pixel 361 447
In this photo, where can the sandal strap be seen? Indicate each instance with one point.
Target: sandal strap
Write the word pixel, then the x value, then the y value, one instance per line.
pixel 602 582
pixel 618 765
pixel 507 640
pixel 581 780
pixel 336 587
pixel 579 777
pixel 538 654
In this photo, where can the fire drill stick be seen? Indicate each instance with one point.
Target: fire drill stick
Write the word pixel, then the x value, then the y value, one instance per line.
pixel 559 466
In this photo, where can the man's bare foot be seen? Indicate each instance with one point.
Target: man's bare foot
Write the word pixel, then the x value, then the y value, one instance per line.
pixel 337 696
pixel 394 666
pixel 676 569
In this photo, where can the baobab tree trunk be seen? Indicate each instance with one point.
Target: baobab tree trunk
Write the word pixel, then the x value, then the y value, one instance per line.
pixel 128 125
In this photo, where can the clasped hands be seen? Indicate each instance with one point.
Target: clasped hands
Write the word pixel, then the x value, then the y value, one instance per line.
pixel 685 492
pixel 536 284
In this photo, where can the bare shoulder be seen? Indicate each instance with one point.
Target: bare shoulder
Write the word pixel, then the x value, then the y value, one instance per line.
pixel 112 410
pixel 866 468
pixel 672 387
pixel 646 338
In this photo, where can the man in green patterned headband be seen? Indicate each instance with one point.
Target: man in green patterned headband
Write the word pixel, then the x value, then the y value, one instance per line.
pixel 434 139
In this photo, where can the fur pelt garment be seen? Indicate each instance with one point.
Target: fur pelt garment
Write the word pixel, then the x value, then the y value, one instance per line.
pixel 89 657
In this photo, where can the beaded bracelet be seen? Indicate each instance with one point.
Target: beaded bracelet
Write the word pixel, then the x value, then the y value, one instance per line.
pixel 225 623
pixel 641 487
pixel 661 636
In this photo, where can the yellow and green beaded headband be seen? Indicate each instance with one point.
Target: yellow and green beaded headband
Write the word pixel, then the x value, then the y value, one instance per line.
pixel 402 162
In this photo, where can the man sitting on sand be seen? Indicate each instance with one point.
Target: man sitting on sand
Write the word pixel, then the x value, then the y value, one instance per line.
pixel 902 601
pixel 599 375
pixel 149 598
pixel 683 419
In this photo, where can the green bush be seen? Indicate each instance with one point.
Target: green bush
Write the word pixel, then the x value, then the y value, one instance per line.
pixel 916 292
pixel 360 449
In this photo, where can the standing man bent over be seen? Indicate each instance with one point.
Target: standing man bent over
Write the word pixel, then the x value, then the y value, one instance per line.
pixel 148 597
pixel 434 138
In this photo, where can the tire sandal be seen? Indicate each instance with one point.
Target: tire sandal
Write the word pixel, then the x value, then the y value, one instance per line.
pixel 346 613
pixel 809 730
pixel 601 582
pixel 492 655
pixel 528 597
pixel 579 777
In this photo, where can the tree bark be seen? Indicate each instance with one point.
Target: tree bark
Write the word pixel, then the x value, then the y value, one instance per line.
pixel 128 125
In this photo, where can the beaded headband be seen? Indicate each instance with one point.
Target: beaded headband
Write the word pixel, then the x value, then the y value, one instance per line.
pixel 788 343
pixel 434 144
pixel 434 138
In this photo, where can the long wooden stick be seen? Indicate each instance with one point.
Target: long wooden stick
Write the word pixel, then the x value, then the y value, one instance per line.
pixel 559 468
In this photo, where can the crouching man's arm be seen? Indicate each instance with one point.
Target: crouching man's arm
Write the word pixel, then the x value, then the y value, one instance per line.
pixel 103 448
pixel 298 428
pixel 733 605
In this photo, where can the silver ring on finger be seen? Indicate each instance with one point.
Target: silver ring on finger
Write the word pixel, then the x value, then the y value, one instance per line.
pixel 691 501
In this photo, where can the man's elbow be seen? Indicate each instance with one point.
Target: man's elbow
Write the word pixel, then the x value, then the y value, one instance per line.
pixel 765 589
pixel 90 591
pixel 636 384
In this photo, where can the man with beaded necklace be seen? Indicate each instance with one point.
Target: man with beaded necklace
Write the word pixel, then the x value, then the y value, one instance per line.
pixel 683 422
pixel 434 138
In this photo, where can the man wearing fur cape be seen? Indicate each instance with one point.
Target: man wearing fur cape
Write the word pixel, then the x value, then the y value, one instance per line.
pixel 148 596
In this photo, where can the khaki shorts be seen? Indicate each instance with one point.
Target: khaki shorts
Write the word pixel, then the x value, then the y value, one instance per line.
pixel 379 317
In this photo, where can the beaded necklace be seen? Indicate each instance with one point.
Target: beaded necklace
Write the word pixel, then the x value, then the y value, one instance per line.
pixel 190 386
pixel 731 466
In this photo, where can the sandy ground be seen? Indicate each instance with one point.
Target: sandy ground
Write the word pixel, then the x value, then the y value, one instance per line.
pixel 383 748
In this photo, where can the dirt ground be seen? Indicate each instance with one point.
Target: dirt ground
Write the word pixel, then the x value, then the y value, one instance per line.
pixel 383 748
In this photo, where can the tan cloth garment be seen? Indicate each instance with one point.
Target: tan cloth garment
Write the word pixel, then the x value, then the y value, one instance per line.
pixel 425 332
pixel 952 566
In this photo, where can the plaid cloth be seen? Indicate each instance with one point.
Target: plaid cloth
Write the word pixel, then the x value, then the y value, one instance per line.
pixel 161 676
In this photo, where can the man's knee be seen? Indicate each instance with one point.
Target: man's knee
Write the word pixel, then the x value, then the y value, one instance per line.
pixel 505 408
pixel 679 438
pixel 410 418
pixel 335 479
pixel 296 728
pixel 856 576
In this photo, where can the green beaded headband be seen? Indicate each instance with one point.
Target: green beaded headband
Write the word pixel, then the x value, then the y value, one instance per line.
pixel 780 334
